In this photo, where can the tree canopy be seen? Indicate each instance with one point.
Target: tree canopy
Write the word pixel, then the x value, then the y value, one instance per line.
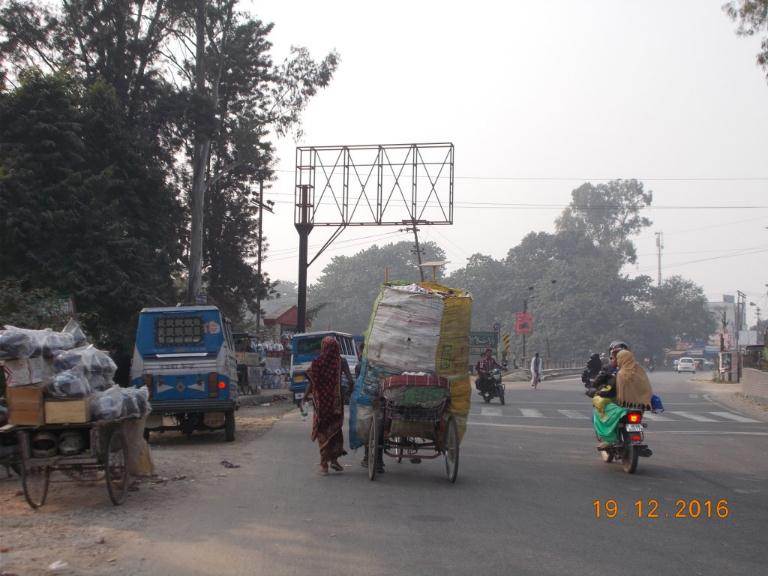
pixel 102 114
pixel 752 19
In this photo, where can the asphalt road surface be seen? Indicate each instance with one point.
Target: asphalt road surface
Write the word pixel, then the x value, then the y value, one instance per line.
pixel 524 502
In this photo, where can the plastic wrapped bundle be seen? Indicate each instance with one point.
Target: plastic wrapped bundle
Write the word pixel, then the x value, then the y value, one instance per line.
pixel 70 384
pixel 135 402
pixel 44 342
pixel 97 366
pixel 107 405
pixel 15 344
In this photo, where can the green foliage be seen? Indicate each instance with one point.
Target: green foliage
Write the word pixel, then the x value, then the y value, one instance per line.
pixel 608 215
pixel 30 307
pixel 97 147
pixel 349 285
pixel 752 19
pixel 84 210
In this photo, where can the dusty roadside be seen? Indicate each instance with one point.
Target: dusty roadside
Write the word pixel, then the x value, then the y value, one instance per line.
pixel 729 395
pixel 78 529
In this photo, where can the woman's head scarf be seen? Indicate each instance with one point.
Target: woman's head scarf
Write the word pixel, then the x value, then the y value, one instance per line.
pixel 633 389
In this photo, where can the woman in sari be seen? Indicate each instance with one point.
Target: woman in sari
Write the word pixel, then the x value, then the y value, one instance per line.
pixel 630 389
pixel 325 387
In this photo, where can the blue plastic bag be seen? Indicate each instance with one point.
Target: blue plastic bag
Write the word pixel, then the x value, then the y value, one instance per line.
pixel 656 405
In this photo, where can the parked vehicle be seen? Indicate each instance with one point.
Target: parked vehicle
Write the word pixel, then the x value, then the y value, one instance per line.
pixel 186 358
pixel 631 444
pixel 306 347
pixel 686 365
pixel 492 386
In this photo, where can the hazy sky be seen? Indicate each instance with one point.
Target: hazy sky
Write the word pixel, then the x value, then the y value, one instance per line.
pixel 560 92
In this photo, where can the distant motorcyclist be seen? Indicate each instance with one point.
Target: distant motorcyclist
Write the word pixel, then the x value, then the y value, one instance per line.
pixel 484 367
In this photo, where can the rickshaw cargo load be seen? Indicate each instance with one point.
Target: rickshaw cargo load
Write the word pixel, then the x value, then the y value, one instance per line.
pixel 422 328
pixel 26 343
pixel 26 406
pixel 26 371
pixel 67 411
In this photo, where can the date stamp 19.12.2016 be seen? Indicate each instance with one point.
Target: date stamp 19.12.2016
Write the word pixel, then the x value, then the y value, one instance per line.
pixel 651 508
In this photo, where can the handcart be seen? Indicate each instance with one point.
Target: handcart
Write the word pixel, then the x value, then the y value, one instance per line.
pixel 414 432
pixel 103 450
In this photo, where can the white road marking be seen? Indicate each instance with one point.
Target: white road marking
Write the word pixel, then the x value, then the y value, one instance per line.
pixel 696 417
pixel 693 395
pixel 573 414
pixel 657 417
pixel 489 411
pixel 734 417
pixel 531 413
pixel 589 431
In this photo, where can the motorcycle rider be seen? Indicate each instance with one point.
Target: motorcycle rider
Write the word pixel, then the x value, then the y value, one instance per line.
pixel 484 367
pixel 592 369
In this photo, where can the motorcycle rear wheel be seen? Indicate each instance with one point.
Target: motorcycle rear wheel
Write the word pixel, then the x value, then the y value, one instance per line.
pixel 487 398
pixel 629 459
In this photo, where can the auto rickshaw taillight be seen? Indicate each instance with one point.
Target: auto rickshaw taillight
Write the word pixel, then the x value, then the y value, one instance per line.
pixel 212 383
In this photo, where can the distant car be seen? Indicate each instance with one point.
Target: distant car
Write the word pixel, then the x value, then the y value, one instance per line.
pixel 686 365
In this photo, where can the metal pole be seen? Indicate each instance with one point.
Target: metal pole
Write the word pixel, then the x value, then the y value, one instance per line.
pixel 525 309
pixel 304 227
pixel 418 250
pixel 258 264
pixel 659 246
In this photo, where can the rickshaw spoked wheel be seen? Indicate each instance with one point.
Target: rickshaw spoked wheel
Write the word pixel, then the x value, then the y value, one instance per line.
pixel 373 446
pixel 451 450
pixel 35 481
pixel 116 471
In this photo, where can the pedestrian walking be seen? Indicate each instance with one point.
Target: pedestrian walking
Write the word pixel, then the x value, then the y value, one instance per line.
pixel 325 387
pixel 537 369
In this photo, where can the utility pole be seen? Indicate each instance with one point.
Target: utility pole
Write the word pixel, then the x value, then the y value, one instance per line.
pixel 741 300
pixel 303 227
pixel 659 248
pixel 260 240
pixel 417 248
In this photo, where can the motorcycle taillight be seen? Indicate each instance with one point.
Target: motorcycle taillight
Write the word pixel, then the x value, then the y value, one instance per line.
pixel 634 417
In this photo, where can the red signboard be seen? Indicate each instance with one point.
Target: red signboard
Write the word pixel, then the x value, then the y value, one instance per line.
pixel 523 323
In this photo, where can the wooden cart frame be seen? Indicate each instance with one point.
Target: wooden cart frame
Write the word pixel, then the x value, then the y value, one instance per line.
pixel 106 452
pixel 444 442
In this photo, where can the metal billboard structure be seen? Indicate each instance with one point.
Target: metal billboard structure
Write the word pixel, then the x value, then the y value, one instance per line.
pixel 368 185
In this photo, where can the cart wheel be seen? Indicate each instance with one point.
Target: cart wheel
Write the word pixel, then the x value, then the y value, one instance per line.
pixel 451 450
pixel 373 446
pixel 116 471
pixel 34 481
pixel 399 449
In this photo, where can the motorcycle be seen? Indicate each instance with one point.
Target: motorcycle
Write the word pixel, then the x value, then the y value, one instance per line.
pixel 491 386
pixel 631 445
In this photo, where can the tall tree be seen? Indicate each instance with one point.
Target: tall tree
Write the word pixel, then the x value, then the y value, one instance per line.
pixel 609 215
pixel 752 19
pixel 82 211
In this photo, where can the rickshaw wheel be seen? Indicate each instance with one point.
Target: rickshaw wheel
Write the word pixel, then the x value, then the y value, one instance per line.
pixel 399 448
pixel 373 433
pixel 451 450
pixel 116 470
pixel 34 481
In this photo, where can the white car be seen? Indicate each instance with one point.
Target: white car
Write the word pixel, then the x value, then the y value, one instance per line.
pixel 686 365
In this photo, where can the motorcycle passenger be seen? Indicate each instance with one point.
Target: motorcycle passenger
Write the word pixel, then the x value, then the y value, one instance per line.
pixel 484 367
pixel 629 388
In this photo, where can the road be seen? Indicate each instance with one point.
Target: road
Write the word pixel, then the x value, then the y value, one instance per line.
pixel 523 503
